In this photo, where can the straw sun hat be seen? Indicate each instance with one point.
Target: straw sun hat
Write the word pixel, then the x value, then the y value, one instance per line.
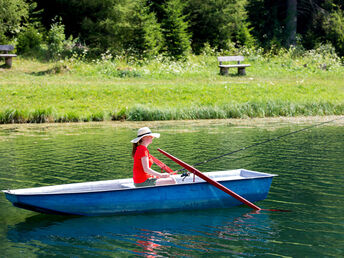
pixel 144 131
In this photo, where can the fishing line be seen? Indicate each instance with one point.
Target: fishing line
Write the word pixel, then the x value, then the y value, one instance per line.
pixel 263 142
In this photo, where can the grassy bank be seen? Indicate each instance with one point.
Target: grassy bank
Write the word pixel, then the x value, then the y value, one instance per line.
pixel 119 89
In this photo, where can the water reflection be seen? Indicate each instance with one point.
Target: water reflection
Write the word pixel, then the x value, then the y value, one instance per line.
pixel 146 234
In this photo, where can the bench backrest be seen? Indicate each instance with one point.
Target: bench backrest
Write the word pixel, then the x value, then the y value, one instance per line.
pixel 230 58
pixel 6 47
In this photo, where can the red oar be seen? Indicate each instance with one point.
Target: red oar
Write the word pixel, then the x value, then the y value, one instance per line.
pixel 216 184
pixel 163 166
pixel 210 181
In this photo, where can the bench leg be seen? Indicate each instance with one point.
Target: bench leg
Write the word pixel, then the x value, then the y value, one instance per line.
pixel 241 71
pixel 224 70
pixel 8 61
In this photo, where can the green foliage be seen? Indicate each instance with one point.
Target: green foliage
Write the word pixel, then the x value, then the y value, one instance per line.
pixel 323 57
pixel 55 39
pixel 318 22
pixel 145 29
pixel 41 116
pixel 217 22
pixel 294 82
pixel 334 28
pixel 234 110
pixel 58 46
pixel 97 117
pixel 123 72
pixel 12 13
pixel 268 17
pixel 11 115
pixel 177 38
pixel 244 36
pixel 68 117
pixel 105 27
pixel 144 35
pixel 297 59
pixel 29 41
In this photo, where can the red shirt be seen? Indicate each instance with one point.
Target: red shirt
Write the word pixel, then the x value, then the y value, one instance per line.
pixel 139 175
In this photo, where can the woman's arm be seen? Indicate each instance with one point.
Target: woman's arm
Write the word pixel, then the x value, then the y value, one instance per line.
pixel 147 169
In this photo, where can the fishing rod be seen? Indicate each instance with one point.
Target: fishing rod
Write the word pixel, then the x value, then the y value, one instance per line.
pixel 257 144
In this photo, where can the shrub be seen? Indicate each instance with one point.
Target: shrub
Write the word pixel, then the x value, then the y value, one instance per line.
pixel 41 116
pixel 12 12
pixel 29 41
pixel 11 115
pixel 56 38
pixel 323 57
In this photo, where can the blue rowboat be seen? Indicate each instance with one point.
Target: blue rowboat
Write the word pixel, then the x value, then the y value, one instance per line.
pixel 121 196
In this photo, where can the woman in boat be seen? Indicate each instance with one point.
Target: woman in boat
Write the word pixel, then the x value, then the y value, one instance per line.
pixel 143 175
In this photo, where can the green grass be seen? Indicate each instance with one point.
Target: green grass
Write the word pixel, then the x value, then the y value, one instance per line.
pixel 75 90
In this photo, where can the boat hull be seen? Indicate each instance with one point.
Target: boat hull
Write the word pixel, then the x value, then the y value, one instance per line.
pixel 190 196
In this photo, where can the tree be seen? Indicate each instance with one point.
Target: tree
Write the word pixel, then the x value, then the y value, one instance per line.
pixel 105 28
pixel 279 22
pixel 291 22
pixel 218 22
pixel 334 27
pixel 144 34
pixel 175 29
pixel 321 22
pixel 97 23
pixel 267 17
pixel 12 13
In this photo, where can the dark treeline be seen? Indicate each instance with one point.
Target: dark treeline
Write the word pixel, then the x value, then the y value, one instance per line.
pixel 146 28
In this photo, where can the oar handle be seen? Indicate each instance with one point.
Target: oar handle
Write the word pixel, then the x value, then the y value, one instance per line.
pixel 209 180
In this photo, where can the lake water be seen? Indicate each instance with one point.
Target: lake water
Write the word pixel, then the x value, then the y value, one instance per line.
pixel 310 183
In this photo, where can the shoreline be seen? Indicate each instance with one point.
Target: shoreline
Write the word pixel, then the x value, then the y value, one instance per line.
pixel 256 122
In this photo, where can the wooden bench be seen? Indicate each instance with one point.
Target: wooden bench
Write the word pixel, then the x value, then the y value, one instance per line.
pixel 6 55
pixel 224 68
